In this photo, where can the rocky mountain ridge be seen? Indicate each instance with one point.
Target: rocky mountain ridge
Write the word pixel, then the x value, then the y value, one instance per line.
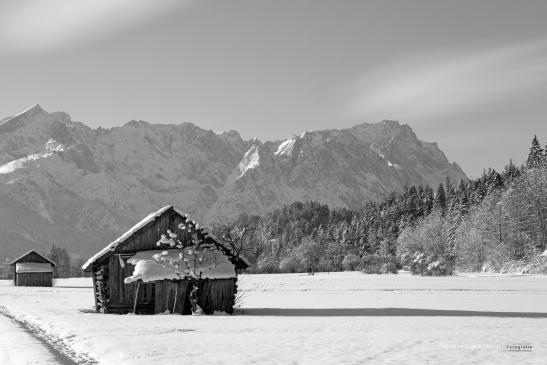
pixel 64 183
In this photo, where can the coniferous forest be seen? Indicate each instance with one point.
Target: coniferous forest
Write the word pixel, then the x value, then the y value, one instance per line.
pixel 496 222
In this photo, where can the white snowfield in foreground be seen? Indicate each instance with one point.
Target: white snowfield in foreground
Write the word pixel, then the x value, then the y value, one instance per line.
pixel 15 345
pixel 338 318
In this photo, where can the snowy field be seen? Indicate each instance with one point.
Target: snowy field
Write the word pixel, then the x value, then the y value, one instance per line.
pixel 339 318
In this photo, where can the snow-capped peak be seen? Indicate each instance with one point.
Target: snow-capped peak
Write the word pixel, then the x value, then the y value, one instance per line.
pixel 250 160
pixel 286 147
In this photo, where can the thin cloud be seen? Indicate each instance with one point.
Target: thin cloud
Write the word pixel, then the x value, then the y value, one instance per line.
pixel 35 26
pixel 446 84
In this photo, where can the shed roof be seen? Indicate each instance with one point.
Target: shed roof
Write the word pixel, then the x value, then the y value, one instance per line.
pixel 239 262
pixel 13 262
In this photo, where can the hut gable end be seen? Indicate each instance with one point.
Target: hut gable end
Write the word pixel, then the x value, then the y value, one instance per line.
pixel 141 236
pixel 32 256
pixel 145 239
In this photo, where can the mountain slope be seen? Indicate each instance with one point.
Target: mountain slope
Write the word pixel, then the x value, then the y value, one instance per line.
pixel 64 183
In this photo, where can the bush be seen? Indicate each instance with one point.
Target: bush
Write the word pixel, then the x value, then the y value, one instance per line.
pixel 389 268
pixel 267 265
pixel 426 265
pixel 372 264
pixel 423 248
pixel 513 267
pixel 290 263
pixel 438 268
pixel 538 265
pixel 351 262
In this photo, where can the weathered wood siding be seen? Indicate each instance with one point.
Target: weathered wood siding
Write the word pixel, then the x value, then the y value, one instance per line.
pixel 112 295
pixel 34 279
pixel 217 295
pixel 167 291
pixel 146 239
pixel 214 295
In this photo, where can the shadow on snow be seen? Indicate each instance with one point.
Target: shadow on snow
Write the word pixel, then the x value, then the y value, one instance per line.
pixel 382 312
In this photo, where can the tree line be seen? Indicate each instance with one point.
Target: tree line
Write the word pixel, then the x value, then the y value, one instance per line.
pixel 65 266
pixel 495 222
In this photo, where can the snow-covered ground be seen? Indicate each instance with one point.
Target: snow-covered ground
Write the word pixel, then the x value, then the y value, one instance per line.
pixel 15 342
pixel 338 318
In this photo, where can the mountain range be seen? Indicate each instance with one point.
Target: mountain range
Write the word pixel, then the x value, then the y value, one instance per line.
pixel 64 183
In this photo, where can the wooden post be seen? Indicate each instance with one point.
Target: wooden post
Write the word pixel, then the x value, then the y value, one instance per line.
pixel 94 288
pixel 136 297
pixel 175 301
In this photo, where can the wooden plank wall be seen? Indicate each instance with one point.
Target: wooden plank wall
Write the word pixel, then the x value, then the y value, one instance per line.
pixel 123 295
pixel 166 292
pixel 147 238
pixel 217 295
pixel 214 295
pixel 34 279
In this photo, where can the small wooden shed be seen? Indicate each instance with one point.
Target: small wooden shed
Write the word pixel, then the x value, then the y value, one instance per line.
pixel 128 275
pixel 32 269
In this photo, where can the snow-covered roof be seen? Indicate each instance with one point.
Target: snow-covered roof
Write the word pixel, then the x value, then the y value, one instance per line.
pixel 22 267
pixel 28 253
pixel 147 268
pixel 114 244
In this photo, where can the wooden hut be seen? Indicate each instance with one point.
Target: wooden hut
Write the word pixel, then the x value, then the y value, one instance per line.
pixel 143 270
pixel 32 269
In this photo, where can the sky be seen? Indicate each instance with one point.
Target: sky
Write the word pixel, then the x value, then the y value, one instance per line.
pixel 469 75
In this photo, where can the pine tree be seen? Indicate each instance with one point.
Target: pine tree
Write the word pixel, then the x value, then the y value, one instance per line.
pixel 440 199
pixel 535 156
pixel 429 200
pixel 511 171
